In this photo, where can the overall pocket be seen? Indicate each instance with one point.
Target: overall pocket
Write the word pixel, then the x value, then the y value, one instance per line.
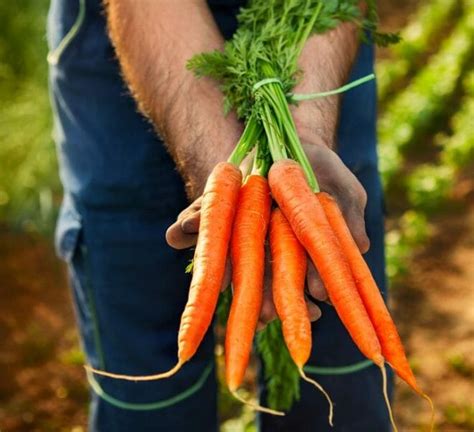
pixel 71 247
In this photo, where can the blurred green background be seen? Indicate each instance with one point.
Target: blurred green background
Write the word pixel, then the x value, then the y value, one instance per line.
pixel 426 147
pixel 29 186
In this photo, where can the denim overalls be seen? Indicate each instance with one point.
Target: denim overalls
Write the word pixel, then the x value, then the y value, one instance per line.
pixel 121 191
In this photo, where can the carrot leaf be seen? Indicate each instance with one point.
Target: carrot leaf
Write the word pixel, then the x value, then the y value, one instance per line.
pixel 280 372
pixel 274 32
pixel 223 306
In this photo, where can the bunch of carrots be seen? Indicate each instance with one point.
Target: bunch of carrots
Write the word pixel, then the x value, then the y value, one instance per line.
pixel 237 218
pixel 277 200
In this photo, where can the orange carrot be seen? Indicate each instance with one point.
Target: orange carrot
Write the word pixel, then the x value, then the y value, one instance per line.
pixel 248 263
pixel 288 279
pixel 306 216
pixel 217 215
pixel 392 347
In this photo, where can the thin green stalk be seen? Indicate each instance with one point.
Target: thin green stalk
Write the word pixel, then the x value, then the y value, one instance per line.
pixel 262 160
pixel 297 97
pixel 247 141
pixel 308 30
pixel 295 146
pixel 292 140
pixel 273 95
pixel 275 140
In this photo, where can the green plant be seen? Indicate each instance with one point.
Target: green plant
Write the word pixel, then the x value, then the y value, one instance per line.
pixel 74 356
pixel 460 364
pixel 429 185
pixel 280 371
pixel 29 185
pixel 458 148
pixel 417 109
pixel 461 415
pixel 416 39
pixel 412 232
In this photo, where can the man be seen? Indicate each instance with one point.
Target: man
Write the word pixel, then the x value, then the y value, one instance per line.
pixel 122 191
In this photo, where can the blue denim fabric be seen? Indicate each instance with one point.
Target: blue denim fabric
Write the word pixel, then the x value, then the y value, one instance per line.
pixel 129 288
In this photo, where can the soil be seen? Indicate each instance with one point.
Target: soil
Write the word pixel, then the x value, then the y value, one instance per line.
pixel 434 309
pixel 42 386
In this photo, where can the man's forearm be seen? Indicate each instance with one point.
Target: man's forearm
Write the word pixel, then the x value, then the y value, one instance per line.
pixel 326 61
pixel 153 40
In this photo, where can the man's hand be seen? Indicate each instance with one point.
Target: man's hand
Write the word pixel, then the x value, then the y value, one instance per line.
pixel 336 179
pixel 183 234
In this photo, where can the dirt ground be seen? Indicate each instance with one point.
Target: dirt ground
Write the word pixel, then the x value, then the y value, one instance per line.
pixel 434 309
pixel 42 383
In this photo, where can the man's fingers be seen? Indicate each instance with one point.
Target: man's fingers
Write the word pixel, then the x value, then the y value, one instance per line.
pixel 353 212
pixel 190 225
pixel 267 312
pixel 183 233
pixel 177 239
pixel 335 178
pixel 313 311
pixel 227 275
pixel 191 208
pixel 315 285
pixel 357 228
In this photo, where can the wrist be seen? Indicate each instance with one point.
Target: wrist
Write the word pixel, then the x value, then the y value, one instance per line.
pixel 317 130
pixel 198 134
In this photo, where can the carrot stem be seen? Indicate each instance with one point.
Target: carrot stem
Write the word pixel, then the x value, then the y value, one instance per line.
pixel 432 420
pixel 321 389
pixel 276 99
pixel 298 97
pixel 154 377
pixel 255 406
pixel 262 160
pixel 246 142
pixel 276 144
pixel 308 29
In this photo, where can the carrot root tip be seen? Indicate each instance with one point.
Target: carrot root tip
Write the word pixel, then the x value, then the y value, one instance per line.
pixel 154 377
pixel 379 361
pixel 432 420
pixel 255 406
pixel 321 389
pixel 385 395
